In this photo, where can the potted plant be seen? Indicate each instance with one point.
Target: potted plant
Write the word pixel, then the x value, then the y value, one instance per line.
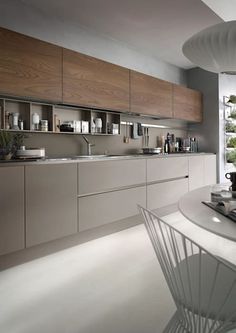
pixel 9 143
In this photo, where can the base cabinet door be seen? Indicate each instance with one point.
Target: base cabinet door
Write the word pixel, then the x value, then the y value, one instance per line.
pixel 209 169
pixel 166 193
pixel 100 209
pixel 196 172
pixel 51 202
pixel 11 209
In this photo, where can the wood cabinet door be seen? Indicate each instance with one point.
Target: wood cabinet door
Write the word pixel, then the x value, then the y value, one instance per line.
pixel 12 233
pixel 51 202
pixel 30 67
pixel 91 82
pixel 187 104
pixel 150 96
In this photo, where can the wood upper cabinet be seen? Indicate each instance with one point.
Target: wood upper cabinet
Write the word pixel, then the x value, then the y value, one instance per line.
pixel 91 82
pixel 187 104
pixel 150 96
pixel 30 67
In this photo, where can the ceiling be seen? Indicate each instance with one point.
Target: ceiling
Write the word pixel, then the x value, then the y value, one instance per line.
pixel 154 27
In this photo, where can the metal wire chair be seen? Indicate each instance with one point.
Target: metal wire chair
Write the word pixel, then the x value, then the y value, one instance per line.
pixel 203 286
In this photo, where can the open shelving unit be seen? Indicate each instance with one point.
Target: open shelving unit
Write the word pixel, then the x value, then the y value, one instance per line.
pixel 55 114
pixel 229 133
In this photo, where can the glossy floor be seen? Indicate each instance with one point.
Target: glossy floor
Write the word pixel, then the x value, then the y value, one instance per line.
pixel 110 285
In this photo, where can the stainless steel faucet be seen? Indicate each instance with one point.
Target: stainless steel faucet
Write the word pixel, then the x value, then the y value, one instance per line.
pixel 89 145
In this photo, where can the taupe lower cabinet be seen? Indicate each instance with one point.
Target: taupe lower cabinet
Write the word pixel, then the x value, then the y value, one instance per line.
pixel 102 176
pixel 44 202
pixel 12 237
pixel 100 209
pixel 202 171
pixel 166 193
pixel 112 199
pixel 51 202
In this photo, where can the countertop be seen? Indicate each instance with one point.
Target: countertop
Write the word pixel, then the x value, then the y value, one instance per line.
pixel 78 159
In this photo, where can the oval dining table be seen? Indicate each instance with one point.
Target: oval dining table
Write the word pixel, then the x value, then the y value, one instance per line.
pixel 191 206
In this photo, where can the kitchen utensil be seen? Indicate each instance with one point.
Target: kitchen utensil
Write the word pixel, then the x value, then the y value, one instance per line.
pixel 30 152
pixel 152 150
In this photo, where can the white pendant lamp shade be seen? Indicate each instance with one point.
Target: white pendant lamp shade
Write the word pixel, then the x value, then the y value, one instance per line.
pixel 214 48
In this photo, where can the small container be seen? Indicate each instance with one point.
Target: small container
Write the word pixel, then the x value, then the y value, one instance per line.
pixel 114 128
pixel 220 192
pixel 15 118
pixel 84 126
pixel 21 124
pixel 44 125
pixel 98 125
pixel 77 126
pixel 35 121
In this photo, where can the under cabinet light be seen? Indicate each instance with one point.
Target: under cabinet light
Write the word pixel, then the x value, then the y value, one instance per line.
pixel 144 125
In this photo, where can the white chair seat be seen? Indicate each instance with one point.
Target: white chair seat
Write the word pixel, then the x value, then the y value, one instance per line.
pixel 208 289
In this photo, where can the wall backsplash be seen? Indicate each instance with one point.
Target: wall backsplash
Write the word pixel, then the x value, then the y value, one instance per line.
pixel 67 144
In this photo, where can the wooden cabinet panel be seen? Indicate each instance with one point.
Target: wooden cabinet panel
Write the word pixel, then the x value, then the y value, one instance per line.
pixel 209 169
pixel 150 96
pixel 30 67
pixel 106 175
pixel 100 209
pixel 187 104
pixel 11 209
pixel 91 82
pixel 51 202
pixel 166 193
pixel 165 168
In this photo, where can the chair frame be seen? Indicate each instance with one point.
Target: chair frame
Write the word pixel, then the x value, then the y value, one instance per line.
pixel 172 248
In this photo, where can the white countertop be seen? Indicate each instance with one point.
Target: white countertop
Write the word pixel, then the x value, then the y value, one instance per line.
pixel 77 159
pixel 192 208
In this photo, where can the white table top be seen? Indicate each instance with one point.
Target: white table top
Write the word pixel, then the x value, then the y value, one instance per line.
pixel 192 208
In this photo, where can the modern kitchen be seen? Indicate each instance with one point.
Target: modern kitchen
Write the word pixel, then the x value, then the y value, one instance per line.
pixel 117 166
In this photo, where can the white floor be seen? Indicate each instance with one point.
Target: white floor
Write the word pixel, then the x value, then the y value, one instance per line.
pixel 109 285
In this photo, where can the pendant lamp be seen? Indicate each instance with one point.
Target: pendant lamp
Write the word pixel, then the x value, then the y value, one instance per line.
pixel 214 48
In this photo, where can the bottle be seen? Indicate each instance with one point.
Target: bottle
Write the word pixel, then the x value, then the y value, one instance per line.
pixel 167 147
pixel 98 124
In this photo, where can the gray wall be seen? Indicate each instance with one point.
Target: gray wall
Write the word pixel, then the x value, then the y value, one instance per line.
pixel 66 144
pixel 208 131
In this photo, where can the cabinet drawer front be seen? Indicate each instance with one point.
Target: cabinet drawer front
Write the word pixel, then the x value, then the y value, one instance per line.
pixel 167 193
pixel 51 202
pixel 100 176
pixel 166 168
pixel 100 209
pixel 11 209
